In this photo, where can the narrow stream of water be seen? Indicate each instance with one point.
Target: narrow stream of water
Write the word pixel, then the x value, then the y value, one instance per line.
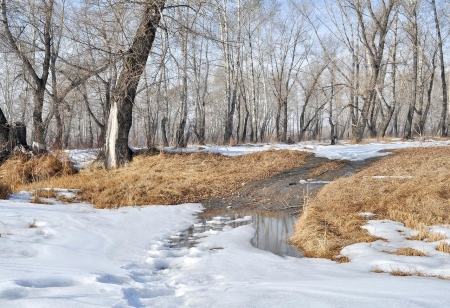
pixel 272 230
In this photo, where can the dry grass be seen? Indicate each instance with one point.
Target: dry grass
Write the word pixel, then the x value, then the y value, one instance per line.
pixel 19 170
pixel 326 167
pixel 45 193
pixel 415 272
pixel 341 259
pixel 443 247
pixel 173 179
pixel 371 140
pixel 66 199
pixel 426 235
pixel 332 220
pixel 407 251
pixel 38 194
pixel 4 191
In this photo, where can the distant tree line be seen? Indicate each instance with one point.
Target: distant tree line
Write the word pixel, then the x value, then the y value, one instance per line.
pixel 110 74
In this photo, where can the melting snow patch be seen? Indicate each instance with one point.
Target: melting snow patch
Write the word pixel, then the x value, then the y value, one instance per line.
pixel 313 181
pixel 377 256
pixel 388 177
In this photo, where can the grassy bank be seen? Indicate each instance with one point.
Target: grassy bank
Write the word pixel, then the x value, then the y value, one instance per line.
pixel 412 187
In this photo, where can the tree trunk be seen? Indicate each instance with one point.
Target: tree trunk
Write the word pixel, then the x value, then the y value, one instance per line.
pixel 285 121
pixel 180 138
pixel 413 102
pixel 442 121
pixel 164 132
pixel 13 137
pixel 424 111
pixel 4 137
pixel 120 118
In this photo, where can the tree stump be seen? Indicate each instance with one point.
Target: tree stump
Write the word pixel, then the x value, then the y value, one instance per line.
pixel 13 138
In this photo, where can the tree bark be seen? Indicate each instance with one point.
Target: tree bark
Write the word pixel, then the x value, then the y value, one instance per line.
pixel 413 102
pixel 120 118
pixel 442 121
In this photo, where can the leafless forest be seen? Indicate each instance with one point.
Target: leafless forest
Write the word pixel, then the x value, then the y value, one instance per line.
pixel 223 71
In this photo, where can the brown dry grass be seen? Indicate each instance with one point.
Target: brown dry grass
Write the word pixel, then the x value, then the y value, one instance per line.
pixel 332 220
pixel 45 193
pixel 408 251
pixel 19 170
pixel 4 191
pixel 173 179
pixel 341 259
pixel 38 200
pixel 38 194
pixel 415 272
pixel 326 167
pixel 444 247
pixel 66 199
pixel 371 140
pixel 426 235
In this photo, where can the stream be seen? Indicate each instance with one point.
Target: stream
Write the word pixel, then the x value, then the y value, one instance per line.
pixel 272 230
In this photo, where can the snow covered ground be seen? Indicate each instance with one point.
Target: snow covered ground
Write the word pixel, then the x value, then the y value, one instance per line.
pixel 72 255
pixel 340 151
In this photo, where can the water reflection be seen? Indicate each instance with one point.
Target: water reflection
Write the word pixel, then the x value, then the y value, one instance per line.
pixel 272 232
pixel 272 229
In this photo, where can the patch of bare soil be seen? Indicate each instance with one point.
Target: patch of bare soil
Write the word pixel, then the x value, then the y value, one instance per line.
pixel 288 190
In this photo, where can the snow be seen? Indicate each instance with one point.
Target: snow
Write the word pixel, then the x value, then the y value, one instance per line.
pixel 82 158
pixel 78 256
pixel 313 181
pixel 242 276
pixel 342 150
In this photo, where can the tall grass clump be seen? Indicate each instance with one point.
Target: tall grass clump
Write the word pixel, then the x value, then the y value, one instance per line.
pixel 20 170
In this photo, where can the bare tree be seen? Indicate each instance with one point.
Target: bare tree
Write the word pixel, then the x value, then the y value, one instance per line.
pixel 120 116
pixel 442 122
pixel 40 19
pixel 286 61
pixel 373 35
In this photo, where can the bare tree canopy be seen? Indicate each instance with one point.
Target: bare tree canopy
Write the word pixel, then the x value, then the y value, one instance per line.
pixel 168 73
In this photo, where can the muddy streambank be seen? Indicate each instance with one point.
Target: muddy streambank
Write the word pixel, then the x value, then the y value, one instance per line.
pixel 286 191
